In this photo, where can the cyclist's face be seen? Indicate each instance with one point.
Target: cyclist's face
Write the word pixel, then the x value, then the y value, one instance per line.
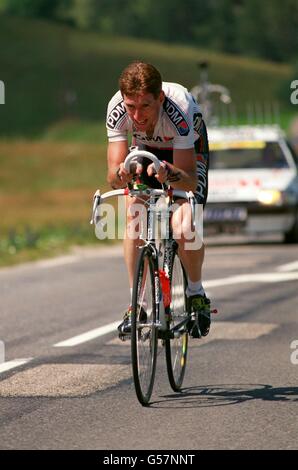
pixel 143 109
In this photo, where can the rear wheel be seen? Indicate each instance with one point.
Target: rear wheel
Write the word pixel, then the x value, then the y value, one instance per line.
pixel 144 333
pixel 177 347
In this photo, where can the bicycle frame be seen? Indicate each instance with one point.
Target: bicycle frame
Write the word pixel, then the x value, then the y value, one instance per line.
pixel 151 196
pixel 159 307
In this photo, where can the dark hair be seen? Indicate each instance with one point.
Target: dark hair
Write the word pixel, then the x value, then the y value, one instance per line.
pixel 139 77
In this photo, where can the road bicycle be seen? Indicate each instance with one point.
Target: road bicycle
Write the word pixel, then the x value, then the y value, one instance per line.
pixel 159 304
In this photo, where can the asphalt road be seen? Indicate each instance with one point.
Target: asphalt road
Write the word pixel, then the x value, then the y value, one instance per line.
pixel 241 384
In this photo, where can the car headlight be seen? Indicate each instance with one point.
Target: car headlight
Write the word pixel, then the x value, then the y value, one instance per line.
pixel 270 197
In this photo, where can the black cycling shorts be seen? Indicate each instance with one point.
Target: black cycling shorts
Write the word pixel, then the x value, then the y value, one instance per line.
pixel 202 155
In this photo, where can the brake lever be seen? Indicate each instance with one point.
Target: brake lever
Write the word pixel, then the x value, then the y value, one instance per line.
pixel 96 203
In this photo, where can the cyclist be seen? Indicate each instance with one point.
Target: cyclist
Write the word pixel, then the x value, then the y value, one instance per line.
pixel 164 119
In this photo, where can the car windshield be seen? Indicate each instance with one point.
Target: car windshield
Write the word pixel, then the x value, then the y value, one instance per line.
pixel 243 155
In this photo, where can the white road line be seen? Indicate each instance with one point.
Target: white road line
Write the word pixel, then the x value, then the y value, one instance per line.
pixel 288 267
pixel 88 336
pixel 258 277
pixel 12 364
pixel 243 278
pixel 282 276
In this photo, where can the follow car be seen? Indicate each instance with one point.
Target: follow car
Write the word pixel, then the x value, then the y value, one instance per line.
pixel 253 182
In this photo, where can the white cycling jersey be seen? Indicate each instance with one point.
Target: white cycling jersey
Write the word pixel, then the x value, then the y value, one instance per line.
pixel 178 125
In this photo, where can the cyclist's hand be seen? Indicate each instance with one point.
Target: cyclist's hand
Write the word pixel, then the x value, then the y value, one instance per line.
pixel 161 175
pixel 124 176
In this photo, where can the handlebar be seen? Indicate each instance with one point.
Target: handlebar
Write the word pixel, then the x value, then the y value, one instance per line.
pixel 98 198
pixel 133 156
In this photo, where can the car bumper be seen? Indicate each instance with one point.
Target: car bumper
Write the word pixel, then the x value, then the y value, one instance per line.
pixel 248 218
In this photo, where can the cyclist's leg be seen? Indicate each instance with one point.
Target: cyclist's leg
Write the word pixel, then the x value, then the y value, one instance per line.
pixel 135 215
pixel 136 211
pixel 191 252
pixel 191 246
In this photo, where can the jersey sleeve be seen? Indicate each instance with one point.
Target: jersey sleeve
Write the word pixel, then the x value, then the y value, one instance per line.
pixel 180 118
pixel 117 119
pixel 197 127
pixel 184 142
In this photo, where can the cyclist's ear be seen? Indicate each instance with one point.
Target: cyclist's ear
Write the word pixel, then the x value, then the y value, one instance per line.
pixel 162 96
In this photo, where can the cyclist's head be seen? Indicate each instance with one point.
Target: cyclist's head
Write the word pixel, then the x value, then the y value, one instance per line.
pixel 141 88
pixel 140 78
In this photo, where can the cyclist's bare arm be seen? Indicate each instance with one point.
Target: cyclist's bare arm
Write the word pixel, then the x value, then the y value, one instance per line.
pixel 182 173
pixel 117 175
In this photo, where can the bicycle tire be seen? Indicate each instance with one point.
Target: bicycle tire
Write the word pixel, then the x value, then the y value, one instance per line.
pixel 177 348
pixel 144 338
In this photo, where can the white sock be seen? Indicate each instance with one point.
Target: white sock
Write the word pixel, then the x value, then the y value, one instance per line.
pixel 130 295
pixel 194 288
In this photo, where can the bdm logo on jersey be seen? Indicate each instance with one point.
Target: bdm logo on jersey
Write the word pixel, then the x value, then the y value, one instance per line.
pixel 116 115
pixel 176 117
pixel 183 128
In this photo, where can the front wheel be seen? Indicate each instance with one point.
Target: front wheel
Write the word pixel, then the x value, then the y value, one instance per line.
pixel 144 333
pixel 177 347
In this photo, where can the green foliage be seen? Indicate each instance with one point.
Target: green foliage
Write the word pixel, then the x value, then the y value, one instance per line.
pixel 34 8
pixel 79 13
pixel 57 78
pixel 269 29
pixel 28 244
pixel 46 191
pixel 266 29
